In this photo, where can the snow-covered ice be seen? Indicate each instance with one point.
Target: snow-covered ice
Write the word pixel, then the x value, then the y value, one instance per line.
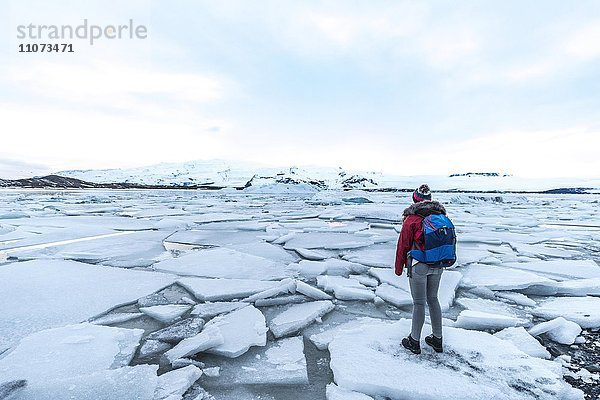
pixel 173 384
pixel 210 337
pixel 209 310
pixel 475 365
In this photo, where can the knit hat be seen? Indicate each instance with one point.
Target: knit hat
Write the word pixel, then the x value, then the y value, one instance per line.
pixel 422 193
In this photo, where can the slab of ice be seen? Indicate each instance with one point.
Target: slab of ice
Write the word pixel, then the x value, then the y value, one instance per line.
pixel 221 216
pixel 166 313
pixel 579 287
pixel 559 329
pixel 240 329
pixel 312 254
pixel 523 341
pixel 516 298
pixel 310 291
pixel 345 288
pixel 299 316
pixel 475 365
pixel 285 286
pixel 352 293
pixel 70 351
pixel 557 269
pixel 326 240
pixel 265 250
pixel 281 362
pixel 177 332
pixel 585 311
pixel 224 289
pixel 195 238
pixel 334 392
pixel 331 266
pixel 321 340
pixel 173 384
pixel 136 249
pixel 281 300
pixel 115 318
pixel 372 257
pixel 223 263
pixel 151 348
pixel 499 278
pixel 394 295
pixel 479 320
pixel 126 383
pixel 37 289
pixel 365 280
pixel 210 337
pixel 209 310
pixel 489 306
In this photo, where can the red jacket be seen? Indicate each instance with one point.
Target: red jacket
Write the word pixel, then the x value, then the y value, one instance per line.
pixel 411 233
pixel 412 230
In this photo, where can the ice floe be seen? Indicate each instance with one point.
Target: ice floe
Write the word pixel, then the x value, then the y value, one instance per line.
pixel 585 311
pixel 166 313
pixel 523 341
pixel 225 289
pixel 223 263
pixel 240 329
pixel 298 317
pixel 37 289
pixel 559 330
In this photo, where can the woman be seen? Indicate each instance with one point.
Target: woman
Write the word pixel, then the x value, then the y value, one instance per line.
pixel 424 279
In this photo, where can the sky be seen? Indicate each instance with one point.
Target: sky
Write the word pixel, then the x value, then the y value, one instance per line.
pixel 401 87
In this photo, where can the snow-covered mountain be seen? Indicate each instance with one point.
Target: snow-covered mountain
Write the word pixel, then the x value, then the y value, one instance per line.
pixel 220 173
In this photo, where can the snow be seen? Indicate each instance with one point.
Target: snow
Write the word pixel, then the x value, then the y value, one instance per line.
pixel 334 392
pixel 116 318
pixel 166 313
pixel 479 320
pixel 523 341
pixel 223 263
pixel 224 289
pixel 559 330
pixel 298 317
pixel 173 384
pixel 585 311
pixel 38 289
pixel 240 329
pixel 475 365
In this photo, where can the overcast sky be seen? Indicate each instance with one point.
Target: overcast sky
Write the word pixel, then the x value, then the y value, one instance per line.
pixel 408 88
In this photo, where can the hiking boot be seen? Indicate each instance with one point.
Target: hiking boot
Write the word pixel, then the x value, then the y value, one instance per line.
pixel 434 342
pixel 411 344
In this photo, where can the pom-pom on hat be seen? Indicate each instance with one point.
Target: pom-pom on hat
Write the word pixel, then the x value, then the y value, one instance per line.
pixel 422 193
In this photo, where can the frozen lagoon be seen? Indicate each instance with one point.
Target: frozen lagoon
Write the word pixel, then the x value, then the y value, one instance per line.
pixel 137 262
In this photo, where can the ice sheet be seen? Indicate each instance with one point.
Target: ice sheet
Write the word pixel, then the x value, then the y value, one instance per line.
pixel 298 317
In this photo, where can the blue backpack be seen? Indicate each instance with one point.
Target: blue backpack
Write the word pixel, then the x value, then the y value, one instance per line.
pixel 440 242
